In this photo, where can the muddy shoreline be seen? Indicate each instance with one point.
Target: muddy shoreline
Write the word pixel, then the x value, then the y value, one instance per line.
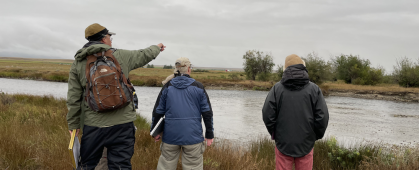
pixel 363 94
pixel 377 95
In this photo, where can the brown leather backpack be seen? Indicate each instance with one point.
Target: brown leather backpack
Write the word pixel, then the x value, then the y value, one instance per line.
pixel 107 88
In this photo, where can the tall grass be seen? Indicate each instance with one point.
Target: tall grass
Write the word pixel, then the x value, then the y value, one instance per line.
pixel 33 132
pixel 33 135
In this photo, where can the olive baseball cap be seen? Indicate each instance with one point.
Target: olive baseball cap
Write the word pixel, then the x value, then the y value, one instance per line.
pixel 96 32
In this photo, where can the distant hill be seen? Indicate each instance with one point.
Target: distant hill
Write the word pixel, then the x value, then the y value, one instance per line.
pixel 210 68
pixel 38 59
pixel 219 68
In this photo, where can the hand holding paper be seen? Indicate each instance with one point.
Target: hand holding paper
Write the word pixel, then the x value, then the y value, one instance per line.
pixel 74 148
pixel 77 132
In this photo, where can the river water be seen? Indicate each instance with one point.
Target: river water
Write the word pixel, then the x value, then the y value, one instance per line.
pixel 238 115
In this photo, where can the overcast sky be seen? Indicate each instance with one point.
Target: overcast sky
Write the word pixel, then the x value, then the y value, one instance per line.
pixel 216 33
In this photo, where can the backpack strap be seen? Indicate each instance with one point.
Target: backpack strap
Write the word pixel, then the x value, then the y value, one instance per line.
pixel 91 60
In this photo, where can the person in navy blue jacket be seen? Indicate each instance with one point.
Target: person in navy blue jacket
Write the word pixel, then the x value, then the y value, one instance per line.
pixel 184 103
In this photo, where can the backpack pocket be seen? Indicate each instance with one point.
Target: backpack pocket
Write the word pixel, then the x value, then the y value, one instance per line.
pixel 108 92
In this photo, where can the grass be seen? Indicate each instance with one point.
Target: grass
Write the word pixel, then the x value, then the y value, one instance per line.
pixel 34 136
pixel 340 85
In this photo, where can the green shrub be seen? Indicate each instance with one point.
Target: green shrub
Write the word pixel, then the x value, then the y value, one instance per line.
pixel 138 82
pixel 234 76
pixel 58 77
pixel 318 69
pixel 353 69
pixel 168 67
pixel 406 73
pixel 263 76
pixel 345 158
pixel 10 74
pixel 6 99
pixel 256 62
pixel 374 76
pixel 151 82
pixel 388 79
pixel 279 73
pixel 358 81
pixel 199 70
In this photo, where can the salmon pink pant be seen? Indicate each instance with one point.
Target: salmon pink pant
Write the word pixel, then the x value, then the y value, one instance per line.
pixel 284 162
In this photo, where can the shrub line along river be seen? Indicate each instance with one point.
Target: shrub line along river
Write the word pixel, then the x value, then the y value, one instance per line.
pixel 238 115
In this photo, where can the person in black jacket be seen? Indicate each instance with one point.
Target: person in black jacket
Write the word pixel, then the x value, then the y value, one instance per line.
pixel 295 115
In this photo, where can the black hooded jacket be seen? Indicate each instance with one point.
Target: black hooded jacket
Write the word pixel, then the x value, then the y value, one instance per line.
pixel 295 112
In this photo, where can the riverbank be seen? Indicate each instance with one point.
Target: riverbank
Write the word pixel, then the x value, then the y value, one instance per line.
pixel 34 136
pixel 377 95
pixel 388 92
pixel 57 71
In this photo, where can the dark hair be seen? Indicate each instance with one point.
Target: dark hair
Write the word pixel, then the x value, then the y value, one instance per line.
pixel 98 36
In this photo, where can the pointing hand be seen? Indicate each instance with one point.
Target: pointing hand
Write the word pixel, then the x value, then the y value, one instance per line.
pixel 161 46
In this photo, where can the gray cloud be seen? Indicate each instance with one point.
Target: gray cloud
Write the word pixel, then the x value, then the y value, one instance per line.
pixel 216 33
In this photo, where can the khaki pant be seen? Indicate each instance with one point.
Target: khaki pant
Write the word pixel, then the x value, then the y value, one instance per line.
pixel 103 163
pixel 192 157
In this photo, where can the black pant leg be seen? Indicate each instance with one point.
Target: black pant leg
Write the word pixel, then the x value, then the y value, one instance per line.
pixel 92 143
pixel 120 143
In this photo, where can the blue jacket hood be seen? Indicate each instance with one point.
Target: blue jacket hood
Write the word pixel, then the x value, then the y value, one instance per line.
pixel 182 82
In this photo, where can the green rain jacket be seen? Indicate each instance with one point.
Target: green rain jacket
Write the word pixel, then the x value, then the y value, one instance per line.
pixel 77 106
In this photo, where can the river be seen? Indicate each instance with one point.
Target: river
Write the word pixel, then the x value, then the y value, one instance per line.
pixel 238 115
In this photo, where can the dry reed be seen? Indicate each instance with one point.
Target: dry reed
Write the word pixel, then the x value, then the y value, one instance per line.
pixel 33 135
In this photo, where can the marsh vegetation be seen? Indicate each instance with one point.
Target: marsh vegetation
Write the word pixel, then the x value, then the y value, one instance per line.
pixel 34 136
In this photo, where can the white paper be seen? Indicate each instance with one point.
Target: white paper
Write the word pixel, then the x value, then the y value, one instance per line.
pixel 76 150
pixel 157 126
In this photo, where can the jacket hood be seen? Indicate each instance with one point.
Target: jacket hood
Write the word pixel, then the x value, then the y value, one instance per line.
pixel 182 82
pixel 295 77
pixel 92 47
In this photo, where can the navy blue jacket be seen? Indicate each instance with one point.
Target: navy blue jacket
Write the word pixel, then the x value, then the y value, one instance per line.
pixel 184 102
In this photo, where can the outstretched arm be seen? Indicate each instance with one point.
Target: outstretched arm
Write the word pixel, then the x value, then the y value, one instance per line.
pixel 138 58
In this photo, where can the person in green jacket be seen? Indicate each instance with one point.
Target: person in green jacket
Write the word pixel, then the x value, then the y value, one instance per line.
pixel 111 129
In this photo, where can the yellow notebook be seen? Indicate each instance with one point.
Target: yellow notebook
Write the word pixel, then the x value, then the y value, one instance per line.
pixel 74 149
